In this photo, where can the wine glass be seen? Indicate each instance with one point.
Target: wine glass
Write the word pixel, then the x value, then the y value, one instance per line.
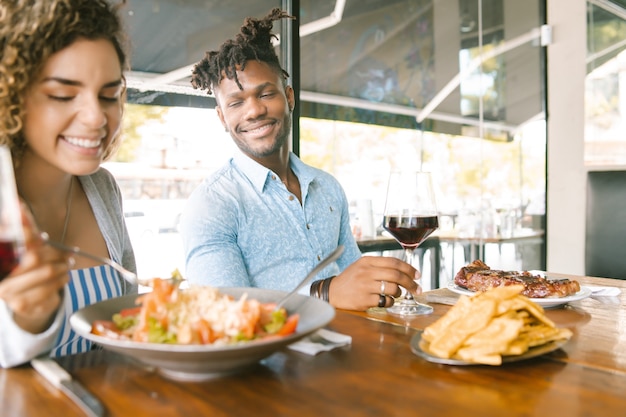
pixel 11 230
pixel 410 216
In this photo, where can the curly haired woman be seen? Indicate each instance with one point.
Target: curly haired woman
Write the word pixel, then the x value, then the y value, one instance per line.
pixel 61 101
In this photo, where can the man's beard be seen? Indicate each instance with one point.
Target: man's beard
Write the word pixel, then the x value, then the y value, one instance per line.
pixel 281 140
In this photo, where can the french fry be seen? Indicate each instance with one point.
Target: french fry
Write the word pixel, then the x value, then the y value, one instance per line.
pixel 489 325
pixel 459 330
pixel 460 309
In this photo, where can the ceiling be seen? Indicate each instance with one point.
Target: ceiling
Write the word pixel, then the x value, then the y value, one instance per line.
pixel 359 58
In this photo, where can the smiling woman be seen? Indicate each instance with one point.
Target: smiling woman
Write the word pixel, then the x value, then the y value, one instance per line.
pixel 60 114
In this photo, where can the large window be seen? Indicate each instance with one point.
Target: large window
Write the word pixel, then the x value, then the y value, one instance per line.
pixel 451 86
pixel 605 95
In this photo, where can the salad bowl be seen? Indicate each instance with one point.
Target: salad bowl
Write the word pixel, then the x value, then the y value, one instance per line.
pixel 201 362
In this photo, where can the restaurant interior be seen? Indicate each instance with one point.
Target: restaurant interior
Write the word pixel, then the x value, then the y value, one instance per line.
pixel 514 106
pixel 461 88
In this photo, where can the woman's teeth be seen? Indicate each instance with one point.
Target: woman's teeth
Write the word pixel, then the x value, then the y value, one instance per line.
pixel 84 143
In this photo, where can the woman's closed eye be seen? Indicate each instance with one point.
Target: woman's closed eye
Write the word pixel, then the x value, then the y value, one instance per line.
pixel 61 98
pixel 64 99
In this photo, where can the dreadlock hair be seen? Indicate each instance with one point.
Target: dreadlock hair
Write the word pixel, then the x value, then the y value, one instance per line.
pixel 254 41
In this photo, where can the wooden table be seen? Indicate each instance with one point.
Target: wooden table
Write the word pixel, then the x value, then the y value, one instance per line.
pixel 377 375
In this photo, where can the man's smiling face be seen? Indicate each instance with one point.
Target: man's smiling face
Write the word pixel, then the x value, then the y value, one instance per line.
pixel 258 116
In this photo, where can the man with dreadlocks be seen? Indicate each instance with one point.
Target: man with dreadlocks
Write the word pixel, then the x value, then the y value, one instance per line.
pixel 265 219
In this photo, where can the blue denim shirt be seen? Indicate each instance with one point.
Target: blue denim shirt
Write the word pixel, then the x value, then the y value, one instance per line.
pixel 242 228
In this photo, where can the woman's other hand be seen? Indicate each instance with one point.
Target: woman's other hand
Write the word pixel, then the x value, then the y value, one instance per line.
pixel 33 290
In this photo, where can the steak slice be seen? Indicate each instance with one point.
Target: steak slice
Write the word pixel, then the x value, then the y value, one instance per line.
pixel 479 277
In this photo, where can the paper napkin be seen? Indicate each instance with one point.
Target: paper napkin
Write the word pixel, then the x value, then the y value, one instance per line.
pixel 597 291
pixel 322 340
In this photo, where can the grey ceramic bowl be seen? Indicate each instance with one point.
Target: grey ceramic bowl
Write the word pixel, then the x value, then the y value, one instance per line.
pixel 201 362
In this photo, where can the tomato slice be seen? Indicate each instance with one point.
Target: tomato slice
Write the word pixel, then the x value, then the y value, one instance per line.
pixel 133 311
pixel 290 325
pixel 106 328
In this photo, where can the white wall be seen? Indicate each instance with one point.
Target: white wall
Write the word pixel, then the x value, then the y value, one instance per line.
pixel 566 195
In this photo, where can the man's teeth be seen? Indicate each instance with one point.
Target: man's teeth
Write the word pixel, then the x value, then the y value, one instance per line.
pixel 84 143
pixel 259 129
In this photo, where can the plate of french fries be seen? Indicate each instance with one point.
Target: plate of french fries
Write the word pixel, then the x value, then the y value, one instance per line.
pixel 490 328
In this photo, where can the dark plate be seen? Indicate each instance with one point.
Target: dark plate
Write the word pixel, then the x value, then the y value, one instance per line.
pixel 530 353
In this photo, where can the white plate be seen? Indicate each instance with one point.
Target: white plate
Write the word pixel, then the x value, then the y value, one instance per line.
pixel 201 362
pixel 530 353
pixel 544 302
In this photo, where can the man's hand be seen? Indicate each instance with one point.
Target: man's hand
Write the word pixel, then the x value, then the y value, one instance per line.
pixel 359 286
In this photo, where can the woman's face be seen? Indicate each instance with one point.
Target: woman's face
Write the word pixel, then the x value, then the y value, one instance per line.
pixel 74 108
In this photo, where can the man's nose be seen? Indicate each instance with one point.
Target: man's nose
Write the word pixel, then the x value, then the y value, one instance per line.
pixel 255 108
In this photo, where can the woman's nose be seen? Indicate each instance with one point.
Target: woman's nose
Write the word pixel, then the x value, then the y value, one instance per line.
pixel 92 113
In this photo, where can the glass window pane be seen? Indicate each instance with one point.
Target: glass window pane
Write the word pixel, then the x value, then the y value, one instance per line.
pixel 605 86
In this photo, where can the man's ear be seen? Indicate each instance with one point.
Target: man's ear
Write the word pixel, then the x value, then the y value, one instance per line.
pixel 291 99
pixel 221 116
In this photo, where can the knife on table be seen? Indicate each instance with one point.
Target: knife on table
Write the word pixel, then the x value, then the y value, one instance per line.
pixel 61 379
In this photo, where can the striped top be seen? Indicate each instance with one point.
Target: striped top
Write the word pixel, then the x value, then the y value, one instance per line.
pixel 87 286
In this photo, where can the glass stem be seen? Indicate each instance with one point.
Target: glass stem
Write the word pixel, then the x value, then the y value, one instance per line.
pixel 408 254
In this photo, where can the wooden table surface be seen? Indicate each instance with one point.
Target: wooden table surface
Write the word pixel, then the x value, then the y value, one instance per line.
pixel 377 375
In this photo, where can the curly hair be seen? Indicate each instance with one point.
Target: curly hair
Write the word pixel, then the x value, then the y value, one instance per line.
pixel 254 41
pixel 33 30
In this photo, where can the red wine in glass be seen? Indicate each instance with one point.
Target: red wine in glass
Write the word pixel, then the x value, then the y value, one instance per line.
pixel 410 231
pixel 410 216
pixel 9 257
pixel 11 231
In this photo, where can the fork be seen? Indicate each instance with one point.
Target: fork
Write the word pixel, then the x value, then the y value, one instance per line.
pixel 129 276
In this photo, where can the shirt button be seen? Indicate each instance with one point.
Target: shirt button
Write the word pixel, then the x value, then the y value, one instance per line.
pixel 319 258
pixel 274 177
pixel 308 226
pixel 290 198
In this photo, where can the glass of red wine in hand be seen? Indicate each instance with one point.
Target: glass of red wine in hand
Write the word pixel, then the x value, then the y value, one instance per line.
pixel 410 216
pixel 11 229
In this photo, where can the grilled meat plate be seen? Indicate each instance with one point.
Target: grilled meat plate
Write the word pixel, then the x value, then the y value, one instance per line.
pixel 479 277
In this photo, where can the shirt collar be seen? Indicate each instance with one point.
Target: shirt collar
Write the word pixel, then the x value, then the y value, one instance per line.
pixel 260 175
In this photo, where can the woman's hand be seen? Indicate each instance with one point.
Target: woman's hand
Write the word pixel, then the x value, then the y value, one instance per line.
pixel 33 290
pixel 359 286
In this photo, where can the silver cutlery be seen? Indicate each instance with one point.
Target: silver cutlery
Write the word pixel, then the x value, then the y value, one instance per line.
pixel 334 255
pixel 61 379
pixel 126 274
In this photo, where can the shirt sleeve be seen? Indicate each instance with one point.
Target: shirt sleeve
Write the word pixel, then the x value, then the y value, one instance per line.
pixel 18 346
pixel 351 250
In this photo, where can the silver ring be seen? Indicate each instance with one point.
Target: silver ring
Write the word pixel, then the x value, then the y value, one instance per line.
pixel 382 287
pixel 382 300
